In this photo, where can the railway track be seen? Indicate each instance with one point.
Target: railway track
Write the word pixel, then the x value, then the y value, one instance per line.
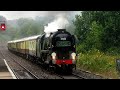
pixel 42 70
pixel 78 76
pixel 66 75
pixel 88 75
pixel 82 75
pixel 20 74
pixel 72 76
pixel 75 75
pixel 26 73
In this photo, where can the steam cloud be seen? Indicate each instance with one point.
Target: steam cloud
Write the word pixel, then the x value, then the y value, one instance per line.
pixel 60 22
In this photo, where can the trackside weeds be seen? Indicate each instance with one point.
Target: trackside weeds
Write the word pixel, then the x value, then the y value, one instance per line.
pixel 99 63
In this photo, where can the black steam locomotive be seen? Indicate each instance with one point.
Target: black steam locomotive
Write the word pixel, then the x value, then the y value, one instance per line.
pixel 56 49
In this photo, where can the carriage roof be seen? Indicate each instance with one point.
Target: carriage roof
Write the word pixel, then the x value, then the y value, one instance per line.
pixel 25 39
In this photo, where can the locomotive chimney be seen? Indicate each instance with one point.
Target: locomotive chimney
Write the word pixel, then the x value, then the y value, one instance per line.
pixel 61 29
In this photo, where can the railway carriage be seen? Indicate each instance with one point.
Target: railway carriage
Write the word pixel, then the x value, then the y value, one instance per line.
pixel 57 49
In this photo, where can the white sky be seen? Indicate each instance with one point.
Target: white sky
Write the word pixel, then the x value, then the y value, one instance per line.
pixel 10 15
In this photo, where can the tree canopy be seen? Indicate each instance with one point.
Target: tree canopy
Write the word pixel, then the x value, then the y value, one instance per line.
pixel 98 29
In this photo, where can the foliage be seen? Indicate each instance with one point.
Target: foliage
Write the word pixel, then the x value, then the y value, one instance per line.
pixel 98 29
pixel 21 28
pixel 99 41
pixel 98 62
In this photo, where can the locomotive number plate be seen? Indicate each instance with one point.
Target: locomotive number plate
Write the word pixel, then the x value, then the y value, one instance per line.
pixel 63 38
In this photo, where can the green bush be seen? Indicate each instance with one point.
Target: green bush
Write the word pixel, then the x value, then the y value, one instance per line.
pixel 98 62
pixel 113 51
pixel 80 48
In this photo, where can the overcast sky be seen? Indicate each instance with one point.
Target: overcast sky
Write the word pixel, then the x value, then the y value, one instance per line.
pixel 10 15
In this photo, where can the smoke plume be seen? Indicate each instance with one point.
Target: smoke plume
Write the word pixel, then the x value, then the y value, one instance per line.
pixel 60 22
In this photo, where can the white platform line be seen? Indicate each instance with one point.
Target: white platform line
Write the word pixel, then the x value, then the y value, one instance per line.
pixel 10 70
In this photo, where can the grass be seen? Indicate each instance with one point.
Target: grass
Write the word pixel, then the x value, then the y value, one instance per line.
pixel 99 63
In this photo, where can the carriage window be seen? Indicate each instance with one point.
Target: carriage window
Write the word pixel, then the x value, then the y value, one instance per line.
pixel 63 43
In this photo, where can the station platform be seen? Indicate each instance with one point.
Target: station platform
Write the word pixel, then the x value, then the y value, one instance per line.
pixel 5 71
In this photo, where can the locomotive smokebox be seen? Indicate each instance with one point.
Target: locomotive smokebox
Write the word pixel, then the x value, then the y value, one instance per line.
pixel 61 29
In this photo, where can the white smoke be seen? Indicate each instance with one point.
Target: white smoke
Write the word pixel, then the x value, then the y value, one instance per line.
pixel 60 22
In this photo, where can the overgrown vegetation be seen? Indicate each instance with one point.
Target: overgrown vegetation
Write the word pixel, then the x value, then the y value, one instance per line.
pixel 99 63
pixel 98 30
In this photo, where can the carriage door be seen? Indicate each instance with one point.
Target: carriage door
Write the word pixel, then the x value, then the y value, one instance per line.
pixel 38 48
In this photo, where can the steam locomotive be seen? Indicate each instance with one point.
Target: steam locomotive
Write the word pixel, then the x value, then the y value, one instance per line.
pixel 56 49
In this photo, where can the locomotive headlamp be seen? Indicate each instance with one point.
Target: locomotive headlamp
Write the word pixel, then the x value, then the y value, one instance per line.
pixel 73 55
pixel 53 55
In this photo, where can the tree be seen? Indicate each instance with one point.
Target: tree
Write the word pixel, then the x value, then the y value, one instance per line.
pixel 99 29
pixel 93 39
